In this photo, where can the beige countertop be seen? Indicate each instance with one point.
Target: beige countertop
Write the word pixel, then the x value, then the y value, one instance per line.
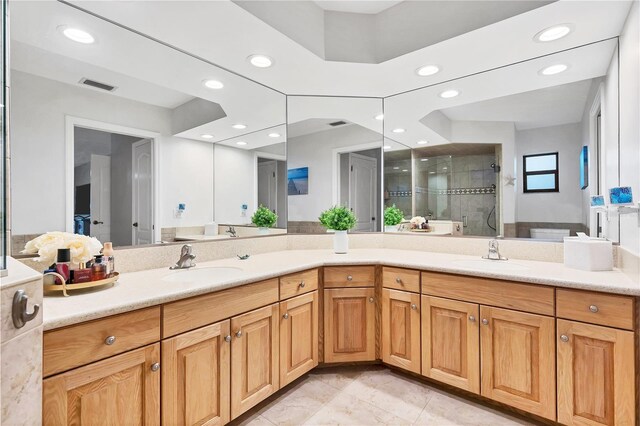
pixel 137 290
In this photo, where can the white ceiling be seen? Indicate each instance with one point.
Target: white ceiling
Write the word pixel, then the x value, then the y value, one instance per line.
pixel 236 34
pixel 362 6
pixel 551 106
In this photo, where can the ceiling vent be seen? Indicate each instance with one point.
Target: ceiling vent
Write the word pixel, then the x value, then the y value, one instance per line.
pixel 337 123
pixel 98 85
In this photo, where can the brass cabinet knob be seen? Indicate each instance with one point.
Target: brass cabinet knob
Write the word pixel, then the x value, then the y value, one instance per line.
pixel 414 306
pixel 593 308
pixel 110 340
pixel 286 315
pixel 155 366
pixel 371 300
pixel 564 338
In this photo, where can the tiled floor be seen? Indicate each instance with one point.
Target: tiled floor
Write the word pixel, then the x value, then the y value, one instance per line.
pixel 369 396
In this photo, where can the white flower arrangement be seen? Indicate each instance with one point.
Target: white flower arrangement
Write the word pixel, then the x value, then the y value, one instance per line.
pixel 417 221
pixel 46 246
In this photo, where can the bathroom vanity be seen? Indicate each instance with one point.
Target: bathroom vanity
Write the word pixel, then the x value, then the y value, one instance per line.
pixel 208 351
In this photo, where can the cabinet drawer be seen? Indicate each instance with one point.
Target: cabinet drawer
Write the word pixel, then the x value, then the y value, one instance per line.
pixel 505 294
pixel 77 345
pixel 298 283
pixel 401 279
pixel 349 276
pixel 596 308
pixel 188 314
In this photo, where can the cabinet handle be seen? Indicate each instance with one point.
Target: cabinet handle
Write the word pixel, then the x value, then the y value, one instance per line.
pixel 414 306
pixel 485 321
pixel 155 366
pixel 593 308
pixel 227 338
pixel 110 340
pixel 564 338
pixel 399 280
pixel 371 300
pixel 472 318
pixel 286 315
pixel 349 278
pixel 301 285
pixel 239 334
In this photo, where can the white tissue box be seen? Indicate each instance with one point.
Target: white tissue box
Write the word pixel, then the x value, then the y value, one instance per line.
pixel 211 228
pixel 594 254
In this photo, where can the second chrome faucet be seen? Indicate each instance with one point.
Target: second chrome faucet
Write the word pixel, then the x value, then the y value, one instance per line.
pixel 186 258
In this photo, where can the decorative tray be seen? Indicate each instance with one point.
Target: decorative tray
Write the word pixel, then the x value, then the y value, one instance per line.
pixel 421 230
pixel 64 287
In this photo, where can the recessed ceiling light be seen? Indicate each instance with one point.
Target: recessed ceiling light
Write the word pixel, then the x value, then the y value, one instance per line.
pixel 239 126
pixel 424 159
pixel 241 143
pixel 387 147
pixel 554 69
pixel 396 168
pixel 76 34
pixel 452 93
pixel 422 142
pixel 553 33
pixel 274 135
pixel 206 136
pixel 260 61
pixel 432 173
pixel 213 84
pixel 444 168
pixel 427 70
pixel 379 117
pixel 405 170
pixel 398 130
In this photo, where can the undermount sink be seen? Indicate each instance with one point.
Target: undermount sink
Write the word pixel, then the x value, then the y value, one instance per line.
pixel 202 275
pixel 490 265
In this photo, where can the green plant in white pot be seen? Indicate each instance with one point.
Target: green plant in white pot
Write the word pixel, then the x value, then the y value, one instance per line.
pixel 340 219
pixel 393 216
pixel 264 219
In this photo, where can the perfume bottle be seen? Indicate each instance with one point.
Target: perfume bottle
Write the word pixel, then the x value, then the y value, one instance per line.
pixel 99 269
pixel 63 264
pixel 82 274
pixel 108 259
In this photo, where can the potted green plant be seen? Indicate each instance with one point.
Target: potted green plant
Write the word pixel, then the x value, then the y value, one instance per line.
pixel 264 219
pixel 339 219
pixel 392 218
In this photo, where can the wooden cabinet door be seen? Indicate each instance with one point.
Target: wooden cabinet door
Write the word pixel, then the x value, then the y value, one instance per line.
pixel 349 325
pixel 195 377
pixel 401 329
pixel 595 375
pixel 451 342
pixel 254 358
pixel 518 360
pixel 298 336
pixel 124 389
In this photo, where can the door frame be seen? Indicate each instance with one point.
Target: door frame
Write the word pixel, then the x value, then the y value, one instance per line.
pixel 153 188
pixel 71 122
pixel 335 165
pixel 373 190
pixel 268 156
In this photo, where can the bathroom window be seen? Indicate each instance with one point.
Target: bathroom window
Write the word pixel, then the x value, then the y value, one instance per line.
pixel 541 173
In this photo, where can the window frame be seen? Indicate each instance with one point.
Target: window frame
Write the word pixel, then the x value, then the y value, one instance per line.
pixel 555 172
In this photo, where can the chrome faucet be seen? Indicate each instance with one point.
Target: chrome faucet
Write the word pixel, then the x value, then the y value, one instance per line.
pixel 186 258
pixel 231 231
pixel 494 251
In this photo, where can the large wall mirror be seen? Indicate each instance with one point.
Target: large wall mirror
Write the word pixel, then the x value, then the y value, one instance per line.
pixel 131 141
pixel 516 151
pixel 335 158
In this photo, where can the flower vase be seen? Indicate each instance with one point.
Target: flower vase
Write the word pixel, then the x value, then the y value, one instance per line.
pixel 391 228
pixel 340 242
pixel 263 231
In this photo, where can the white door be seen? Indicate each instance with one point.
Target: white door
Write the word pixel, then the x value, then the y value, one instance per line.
pixel 362 191
pixel 100 203
pixel 142 181
pixel 267 185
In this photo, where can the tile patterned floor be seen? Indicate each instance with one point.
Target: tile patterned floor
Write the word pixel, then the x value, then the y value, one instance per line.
pixel 369 396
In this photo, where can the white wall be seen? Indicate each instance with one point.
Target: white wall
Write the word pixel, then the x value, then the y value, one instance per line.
pixel 630 124
pixel 563 206
pixel 235 184
pixel 315 151
pixel 38 112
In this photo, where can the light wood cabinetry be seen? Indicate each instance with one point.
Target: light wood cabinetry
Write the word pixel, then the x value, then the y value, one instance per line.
pixel 596 375
pixel 349 324
pixel 349 276
pixel 196 368
pixel 401 279
pixel 401 329
pixel 124 389
pixel 517 360
pixel 254 358
pixel 298 336
pixel 451 342
pixel 299 283
pixel 595 308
